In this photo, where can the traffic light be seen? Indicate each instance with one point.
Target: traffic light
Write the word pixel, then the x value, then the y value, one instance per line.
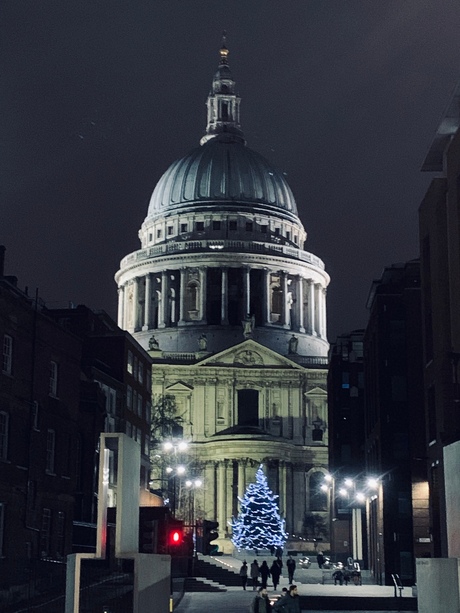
pixel 175 537
pixel 210 534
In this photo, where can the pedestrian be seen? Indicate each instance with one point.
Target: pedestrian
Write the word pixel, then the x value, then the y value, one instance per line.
pixel 290 568
pixel 264 573
pixel 279 561
pixel 289 603
pixel 338 576
pixel 275 573
pixel 255 572
pixel 320 559
pixel 244 574
pixel 261 603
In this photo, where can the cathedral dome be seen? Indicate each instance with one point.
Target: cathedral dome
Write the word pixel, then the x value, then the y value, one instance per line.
pixel 221 171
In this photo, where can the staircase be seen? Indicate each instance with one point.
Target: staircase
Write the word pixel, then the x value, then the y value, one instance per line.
pixel 208 576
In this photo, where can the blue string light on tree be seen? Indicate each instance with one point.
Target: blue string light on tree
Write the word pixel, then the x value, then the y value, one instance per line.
pixel 259 524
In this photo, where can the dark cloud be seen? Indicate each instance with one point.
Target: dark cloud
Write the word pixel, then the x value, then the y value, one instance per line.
pixel 99 97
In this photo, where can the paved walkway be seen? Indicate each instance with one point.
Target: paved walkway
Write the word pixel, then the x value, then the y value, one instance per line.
pixel 236 600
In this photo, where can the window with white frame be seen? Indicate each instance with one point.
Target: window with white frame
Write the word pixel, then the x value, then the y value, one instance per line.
pixel 60 533
pixel 7 364
pixel 53 379
pixel 50 450
pixel 45 533
pixel 129 365
pixel 4 427
pixel 2 527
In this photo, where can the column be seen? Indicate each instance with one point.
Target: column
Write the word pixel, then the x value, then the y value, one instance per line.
pixel 311 306
pixel 266 297
pixel 147 301
pixel 203 295
pixel 300 304
pixel 221 498
pixel 247 290
pixel 126 306
pixel 135 304
pixel 285 288
pixel 324 317
pixel 241 477
pixel 210 494
pixel 183 279
pixel 164 301
pixel 121 306
pixel 282 487
pixel 230 493
pixel 224 298
pixel 318 308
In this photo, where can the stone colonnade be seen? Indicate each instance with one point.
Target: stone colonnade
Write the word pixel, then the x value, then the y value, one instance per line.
pixel 226 480
pixel 178 297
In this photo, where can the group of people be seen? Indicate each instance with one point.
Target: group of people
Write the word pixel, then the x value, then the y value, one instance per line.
pixel 264 572
pixel 289 601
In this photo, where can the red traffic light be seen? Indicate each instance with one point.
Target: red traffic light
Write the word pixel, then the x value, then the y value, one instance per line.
pixel 175 537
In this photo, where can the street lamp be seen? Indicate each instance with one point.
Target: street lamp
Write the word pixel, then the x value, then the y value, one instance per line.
pixel 192 485
pixel 356 492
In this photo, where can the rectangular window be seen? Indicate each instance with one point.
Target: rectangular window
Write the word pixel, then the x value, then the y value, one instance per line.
pixel 288 236
pixel 7 364
pixel 128 428
pixel 136 363
pixel 50 450
pixel 183 227
pixel 249 226
pixel 129 365
pixel 199 226
pixel 296 238
pixel 277 231
pixel 129 397
pixel 264 229
pixel 4 427
pixel 45 533
pixel 53 379
pixel 216 225
pixel 2 527
pixel 139 405
pixel 60 533
pixel 148 409
pixel 146 445
pixel 140 373
pixel 345 380
pixel 170 230
pixel 150 237
pixel 232 226
pixel 159 233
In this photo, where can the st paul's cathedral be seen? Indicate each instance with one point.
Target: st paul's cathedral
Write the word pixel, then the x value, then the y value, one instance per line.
pixel 232 308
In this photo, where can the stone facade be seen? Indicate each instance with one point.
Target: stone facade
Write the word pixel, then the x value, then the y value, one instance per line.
pixel 233 311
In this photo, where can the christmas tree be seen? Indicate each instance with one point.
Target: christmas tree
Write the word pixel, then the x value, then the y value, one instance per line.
pixel 259 524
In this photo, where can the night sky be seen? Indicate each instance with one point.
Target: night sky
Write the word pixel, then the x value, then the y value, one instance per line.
pixel 99 97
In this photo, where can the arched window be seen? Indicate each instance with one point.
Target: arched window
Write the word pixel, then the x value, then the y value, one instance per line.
pixel 192 294
pixel 276 303
pixel 318 498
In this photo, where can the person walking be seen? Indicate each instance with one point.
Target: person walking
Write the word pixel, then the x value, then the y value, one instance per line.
pixel 264 573
pixel 275 573
pixel 290 568
pixel 244 574
pixel 320 559
pixel 255 572
pixel 261 603
pixel 289 603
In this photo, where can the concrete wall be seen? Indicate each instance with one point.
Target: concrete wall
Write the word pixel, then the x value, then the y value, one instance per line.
pixel 452 488
pixel 438 585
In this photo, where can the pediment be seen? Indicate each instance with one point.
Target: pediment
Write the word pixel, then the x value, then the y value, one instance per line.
pixel 249 354
pixel 316 392
pixel 179 386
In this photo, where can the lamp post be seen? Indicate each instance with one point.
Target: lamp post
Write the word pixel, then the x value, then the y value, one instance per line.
pixel 356 494
pixel 176 448
pixel 192 485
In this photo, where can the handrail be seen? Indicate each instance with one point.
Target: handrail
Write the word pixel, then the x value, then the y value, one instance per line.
pixel 397 584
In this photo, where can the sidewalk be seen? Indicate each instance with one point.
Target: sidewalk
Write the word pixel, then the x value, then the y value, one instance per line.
pixel 236 600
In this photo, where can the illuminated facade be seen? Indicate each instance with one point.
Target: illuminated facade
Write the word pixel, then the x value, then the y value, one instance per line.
pixel 233 312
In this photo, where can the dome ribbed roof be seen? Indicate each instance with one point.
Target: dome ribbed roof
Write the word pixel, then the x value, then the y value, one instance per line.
pixel 223 170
